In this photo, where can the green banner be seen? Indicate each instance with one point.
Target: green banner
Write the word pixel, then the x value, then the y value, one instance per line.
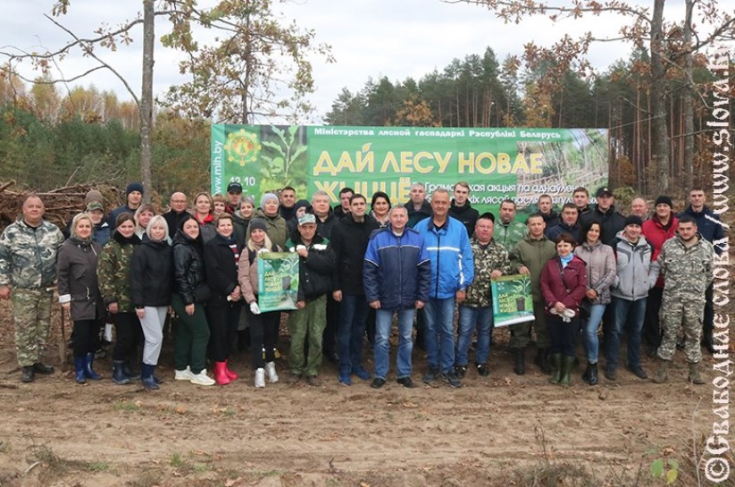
pixel 512 163
pixel 512 301
pixel 278 281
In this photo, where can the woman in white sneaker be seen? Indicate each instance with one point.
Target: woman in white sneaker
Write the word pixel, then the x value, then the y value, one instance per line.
pixel 190 293
pixel 563 286
pixel 263 326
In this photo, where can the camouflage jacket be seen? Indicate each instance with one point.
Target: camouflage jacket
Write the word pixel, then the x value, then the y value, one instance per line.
pixel 113 272
pixel 28 255
pixel 687 271
pixel 487 259
pixel 509 235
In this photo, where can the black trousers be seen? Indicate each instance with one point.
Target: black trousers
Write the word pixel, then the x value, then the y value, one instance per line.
pixel 128 336
pixel 329 337
pixel 223 321
pixel 86 337
pixel 563 335
pixel 651 323
pixel 709 315
pixel 263 335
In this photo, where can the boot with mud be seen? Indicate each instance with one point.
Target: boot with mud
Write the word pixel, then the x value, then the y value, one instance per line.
pixel 694 376
pixel 662 374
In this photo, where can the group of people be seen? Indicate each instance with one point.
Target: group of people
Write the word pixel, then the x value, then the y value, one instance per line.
pixel 358 268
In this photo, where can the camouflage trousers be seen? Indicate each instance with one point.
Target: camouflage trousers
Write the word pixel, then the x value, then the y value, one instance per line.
pixel 520 333
pixel 678 311
pixel 310 322
pixel 32 321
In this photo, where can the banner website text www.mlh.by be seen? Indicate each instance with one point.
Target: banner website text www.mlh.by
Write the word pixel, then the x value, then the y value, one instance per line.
pixel 515 163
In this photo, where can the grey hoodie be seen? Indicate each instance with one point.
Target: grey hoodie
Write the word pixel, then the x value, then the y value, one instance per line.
pixel 636 273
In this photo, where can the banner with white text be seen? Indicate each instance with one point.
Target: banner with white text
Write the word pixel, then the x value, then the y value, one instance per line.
pixel 497 163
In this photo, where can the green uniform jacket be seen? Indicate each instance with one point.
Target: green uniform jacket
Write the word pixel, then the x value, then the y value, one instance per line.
pixel 28 255
pixel 509 235
pixel 113 272
pixel 486 260
pixel 687 271
pixel 533 254
pixel 276 228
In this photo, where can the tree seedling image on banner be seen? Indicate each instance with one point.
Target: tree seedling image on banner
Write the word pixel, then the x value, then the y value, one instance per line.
pixel 512 301
pixel 278 281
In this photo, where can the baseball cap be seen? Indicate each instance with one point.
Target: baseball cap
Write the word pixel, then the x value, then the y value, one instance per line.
pixel 234 188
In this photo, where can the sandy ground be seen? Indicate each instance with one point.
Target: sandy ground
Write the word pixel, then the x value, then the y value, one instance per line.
pixel 500 430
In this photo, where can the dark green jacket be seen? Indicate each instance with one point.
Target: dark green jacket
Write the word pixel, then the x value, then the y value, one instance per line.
pixel 113 272
pixel 533 254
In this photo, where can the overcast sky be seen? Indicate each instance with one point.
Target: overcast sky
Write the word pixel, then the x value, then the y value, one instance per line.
pixel 393 38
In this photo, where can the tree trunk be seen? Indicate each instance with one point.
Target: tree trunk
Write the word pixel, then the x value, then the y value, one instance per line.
pixel 660 153
pixel 688 107
pixel 146 99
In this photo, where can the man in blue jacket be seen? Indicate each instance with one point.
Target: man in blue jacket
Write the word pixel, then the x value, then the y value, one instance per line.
pixel 396 278
pixel 452 271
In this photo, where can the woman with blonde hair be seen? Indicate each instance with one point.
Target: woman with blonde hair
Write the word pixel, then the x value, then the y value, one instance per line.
pixel 152 285
pixel 143 216
pixel 203 207
pixel 79 294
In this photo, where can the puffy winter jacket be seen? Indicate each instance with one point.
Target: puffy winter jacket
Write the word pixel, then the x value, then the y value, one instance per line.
pixel 452 265
pixel 567 285
pixel 76 270
pixel 190 280
pixel 315 271
pixel 114 271
pixel 601 268
pixel 636 273
pixel 349 242
pixel 397 270
pixel 152 274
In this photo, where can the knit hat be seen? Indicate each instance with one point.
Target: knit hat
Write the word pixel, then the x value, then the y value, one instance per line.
pixel 301 204
pixel 634 220
pixel 266 197
pixel 93 195
pixel 307 218
pixel 257 224
pixel 134 187
pixel 663 199
pixel 95 205
pixel 248 199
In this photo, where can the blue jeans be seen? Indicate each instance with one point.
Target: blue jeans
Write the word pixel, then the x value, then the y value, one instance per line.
pixel 383 319
pixel 591 342
pixel 353 315
pixel 628 314
pixel 440 333
pixel 470 318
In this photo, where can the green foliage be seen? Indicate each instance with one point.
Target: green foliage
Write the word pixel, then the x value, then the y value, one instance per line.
pixel 284 158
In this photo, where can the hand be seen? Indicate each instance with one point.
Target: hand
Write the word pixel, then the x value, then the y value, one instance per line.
pixel 190 308
pixel 66 306
pixel 374 304
pixel 112 308
pixel 337 296
pixel 524 270
pixel 140 312
pixel 254 308
pixel 461 296
pixel 495 274
pixel 4 292
pixel 301 304
pixel 263 250
pixel 419 304
pixel 302 251
pixel 235 295
pixel 559 306
pixel 591 294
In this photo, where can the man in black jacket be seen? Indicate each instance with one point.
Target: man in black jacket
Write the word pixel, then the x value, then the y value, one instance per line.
pixel 604 213
pixel 461 208
pixel 418 208
pixel 178 213
pixel 343 208
pixel 349 241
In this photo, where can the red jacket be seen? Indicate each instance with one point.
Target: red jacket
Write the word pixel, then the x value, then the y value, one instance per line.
pixel 656 234
pixel 570 291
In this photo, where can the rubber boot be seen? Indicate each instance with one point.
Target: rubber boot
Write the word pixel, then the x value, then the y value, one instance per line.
pixel 555 368
pixel 586 374
pixel 694 376
pixel 88 370
pixel 593 378
pixel 146 376
pixel 542 360
pixel 662 374
pixel 118 373
pixel 220 374
pixel 230 373
pixel 520 356
pixel 129 371
pixel 567 364
pixel 79 370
